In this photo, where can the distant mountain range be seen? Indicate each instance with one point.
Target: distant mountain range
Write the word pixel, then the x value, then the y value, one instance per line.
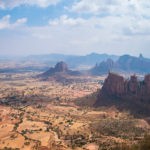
pixel 38 63
pixel 73 61
pixel 125 64
pixel 95 64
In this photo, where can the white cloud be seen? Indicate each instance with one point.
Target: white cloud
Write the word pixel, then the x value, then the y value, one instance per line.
pixel 87 6
pixel 6 24
pixel 111 34
pixel 113 26
pixel 113 7
pixel 65 20
pixel 15 3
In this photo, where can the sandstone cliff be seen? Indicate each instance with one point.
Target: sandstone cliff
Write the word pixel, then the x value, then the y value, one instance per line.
pixel 129 94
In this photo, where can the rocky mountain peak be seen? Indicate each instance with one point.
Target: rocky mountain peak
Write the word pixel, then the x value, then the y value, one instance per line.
pixel 116 86
pixel 61 67
pixel 132 94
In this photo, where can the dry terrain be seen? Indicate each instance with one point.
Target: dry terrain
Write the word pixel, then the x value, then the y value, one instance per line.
pixel 44 115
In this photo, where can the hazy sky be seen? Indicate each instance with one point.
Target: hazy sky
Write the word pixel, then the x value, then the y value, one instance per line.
pixel 74 26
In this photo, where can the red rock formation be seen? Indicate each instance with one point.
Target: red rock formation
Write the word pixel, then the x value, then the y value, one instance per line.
pixel 147 85
pixel 132 95
pixel 114 85
pixel 133 85
pixel 61 67
pixel 59 73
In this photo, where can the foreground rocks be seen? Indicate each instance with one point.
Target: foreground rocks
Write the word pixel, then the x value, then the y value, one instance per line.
pixel 116 85
pixel 132 93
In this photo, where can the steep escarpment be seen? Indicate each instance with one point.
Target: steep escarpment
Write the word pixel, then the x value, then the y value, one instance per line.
pixel 115 85
pixel 129 94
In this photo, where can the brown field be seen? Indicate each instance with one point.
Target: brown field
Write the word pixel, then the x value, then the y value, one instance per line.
pixel 43 115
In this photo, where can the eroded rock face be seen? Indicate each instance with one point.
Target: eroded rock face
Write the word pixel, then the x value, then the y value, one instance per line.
pixel 132 94
pixel 147 85
pixel 132 85
pixel 59 73
pixel 115 85
pixel 61 67
pixel 103 68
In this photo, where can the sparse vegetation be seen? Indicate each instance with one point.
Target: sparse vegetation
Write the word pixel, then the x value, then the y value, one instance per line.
pixel 123 128
pixel 144 144
pixel 70 122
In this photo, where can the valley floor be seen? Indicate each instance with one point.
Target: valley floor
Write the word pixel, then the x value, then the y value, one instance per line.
pixel 44 115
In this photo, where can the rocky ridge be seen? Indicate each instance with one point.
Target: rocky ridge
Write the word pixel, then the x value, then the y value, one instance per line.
pixel 130 93
pixel 125 64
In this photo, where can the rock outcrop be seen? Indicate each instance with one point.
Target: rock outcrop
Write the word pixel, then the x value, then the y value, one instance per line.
pixel 125 63
pixel 133 85
pixel 103 68
pixel 130 93
pixel 60 68
pixel 59 73
pixel 147 85
pixel 116 85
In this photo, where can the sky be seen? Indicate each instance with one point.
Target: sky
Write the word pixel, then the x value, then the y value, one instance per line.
pixel 74 27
